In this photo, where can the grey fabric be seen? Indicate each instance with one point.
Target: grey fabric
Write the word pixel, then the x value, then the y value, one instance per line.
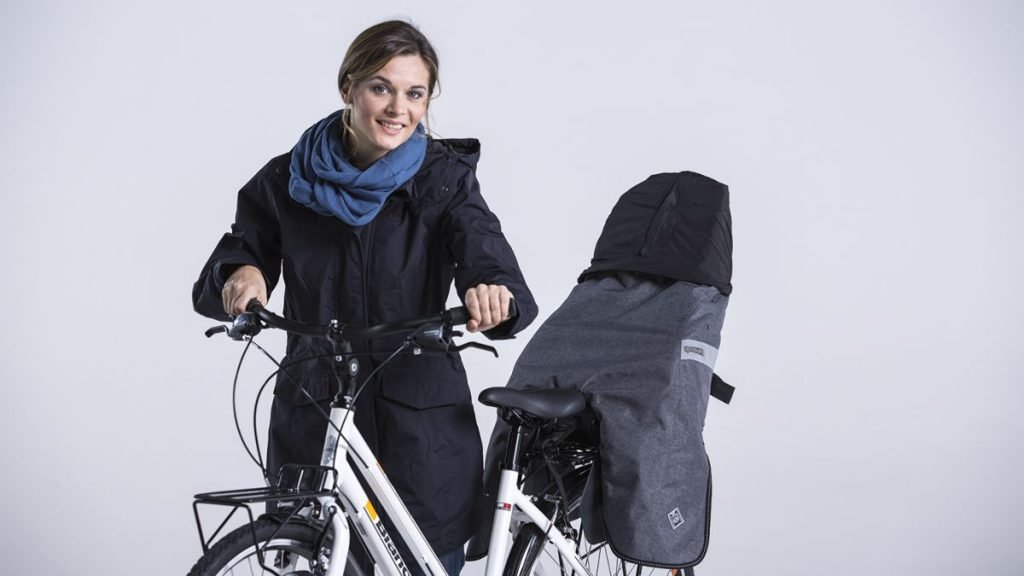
pixel 642 352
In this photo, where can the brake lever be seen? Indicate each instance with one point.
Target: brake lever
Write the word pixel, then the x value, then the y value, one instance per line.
pixel 477 345
pixel 215 330
pixel 245 324
pixel 435 336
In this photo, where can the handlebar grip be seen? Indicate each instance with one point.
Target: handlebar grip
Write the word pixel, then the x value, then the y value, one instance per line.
pixel 458 316
pixel 256 309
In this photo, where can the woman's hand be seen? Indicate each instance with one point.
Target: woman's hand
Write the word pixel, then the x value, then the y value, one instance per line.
pixel 487 305
pixel 242 286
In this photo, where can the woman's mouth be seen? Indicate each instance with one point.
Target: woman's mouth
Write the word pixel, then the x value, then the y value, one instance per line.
pixel 393 128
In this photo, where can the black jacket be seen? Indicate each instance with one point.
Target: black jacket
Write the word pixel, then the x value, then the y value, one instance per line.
pixel 673 225
pixel 418 415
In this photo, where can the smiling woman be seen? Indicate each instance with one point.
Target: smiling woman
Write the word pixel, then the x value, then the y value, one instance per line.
pixel 373 221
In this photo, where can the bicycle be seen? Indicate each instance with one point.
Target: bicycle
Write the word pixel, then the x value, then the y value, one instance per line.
pixel 551 453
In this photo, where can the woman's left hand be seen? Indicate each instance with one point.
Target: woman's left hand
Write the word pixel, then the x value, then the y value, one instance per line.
pixel 488 306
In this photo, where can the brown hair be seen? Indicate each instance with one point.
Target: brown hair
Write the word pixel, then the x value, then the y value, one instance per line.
pixel 375 47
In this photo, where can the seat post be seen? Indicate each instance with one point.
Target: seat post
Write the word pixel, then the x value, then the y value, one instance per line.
pixel 515 443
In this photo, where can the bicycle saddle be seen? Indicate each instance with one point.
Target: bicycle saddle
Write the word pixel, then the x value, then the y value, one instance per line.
pixel 538 402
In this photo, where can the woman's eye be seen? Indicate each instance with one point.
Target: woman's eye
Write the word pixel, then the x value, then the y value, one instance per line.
pixel 379 89
pixel 415 95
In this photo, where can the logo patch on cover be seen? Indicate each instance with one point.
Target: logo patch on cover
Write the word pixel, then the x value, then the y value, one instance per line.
pixel 675 518
pixel 706 354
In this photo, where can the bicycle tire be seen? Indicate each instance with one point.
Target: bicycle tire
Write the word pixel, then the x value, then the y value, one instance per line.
pixel 288 548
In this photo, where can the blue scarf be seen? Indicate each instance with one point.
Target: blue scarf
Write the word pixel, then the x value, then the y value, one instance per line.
pixel 323 179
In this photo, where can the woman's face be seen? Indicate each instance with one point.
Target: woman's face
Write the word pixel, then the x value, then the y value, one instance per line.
pixel 387 107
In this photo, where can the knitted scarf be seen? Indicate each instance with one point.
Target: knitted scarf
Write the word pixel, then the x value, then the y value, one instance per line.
pixel 323 179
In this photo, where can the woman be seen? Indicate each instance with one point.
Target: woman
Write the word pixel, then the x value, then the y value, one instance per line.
pixel 373 220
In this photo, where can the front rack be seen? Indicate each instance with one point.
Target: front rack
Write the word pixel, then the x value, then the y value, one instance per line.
pixel 298 487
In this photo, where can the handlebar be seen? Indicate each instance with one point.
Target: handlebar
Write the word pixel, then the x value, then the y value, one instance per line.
pixel 451 317
pixel 433 331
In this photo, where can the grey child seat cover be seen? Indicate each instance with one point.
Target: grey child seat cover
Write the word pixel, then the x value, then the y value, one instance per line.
pixel 639 336
pixel 642 352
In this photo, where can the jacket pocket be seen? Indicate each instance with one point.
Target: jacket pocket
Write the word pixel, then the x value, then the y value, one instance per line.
pixel 425 381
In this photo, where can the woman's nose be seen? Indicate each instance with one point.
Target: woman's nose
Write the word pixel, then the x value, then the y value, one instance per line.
pixel 396 106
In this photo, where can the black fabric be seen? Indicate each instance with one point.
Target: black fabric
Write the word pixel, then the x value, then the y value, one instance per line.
pixel 419 416
pixel 674 225
pixel 720 389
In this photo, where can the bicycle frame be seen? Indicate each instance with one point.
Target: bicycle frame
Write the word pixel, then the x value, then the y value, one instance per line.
pixel 346 452
pixel 509 498
pixel 379 542
pixel 360 509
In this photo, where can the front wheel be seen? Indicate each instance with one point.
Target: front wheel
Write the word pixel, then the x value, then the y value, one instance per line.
pixel 291 549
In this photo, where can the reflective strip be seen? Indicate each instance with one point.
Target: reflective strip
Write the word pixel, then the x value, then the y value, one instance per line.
pixel 699 351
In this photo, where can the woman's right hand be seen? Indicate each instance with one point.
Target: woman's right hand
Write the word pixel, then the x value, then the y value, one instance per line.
pixel 242 286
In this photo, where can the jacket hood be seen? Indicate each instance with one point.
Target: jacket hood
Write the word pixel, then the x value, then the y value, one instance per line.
pixel 463 150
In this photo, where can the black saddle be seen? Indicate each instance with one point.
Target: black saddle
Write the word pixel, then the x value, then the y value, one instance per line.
pixel 543 403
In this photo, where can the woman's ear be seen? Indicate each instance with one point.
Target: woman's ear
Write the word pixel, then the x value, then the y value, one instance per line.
pixel 346 93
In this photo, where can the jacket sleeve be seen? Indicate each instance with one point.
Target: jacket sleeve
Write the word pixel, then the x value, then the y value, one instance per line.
pixel 254 239
pixel 482 254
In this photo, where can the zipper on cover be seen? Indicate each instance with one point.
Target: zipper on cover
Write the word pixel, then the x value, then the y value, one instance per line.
pixel 666 211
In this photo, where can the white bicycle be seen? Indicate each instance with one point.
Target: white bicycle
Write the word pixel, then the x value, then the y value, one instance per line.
pixel 319 509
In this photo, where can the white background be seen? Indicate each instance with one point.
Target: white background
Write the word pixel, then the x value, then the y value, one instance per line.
pixel 874 155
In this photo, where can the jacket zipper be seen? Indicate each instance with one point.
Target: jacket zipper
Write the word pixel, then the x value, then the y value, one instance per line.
pixel 365 249
pixel 367 254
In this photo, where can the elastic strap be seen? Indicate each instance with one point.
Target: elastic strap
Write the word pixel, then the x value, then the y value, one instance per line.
pixel 721 390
